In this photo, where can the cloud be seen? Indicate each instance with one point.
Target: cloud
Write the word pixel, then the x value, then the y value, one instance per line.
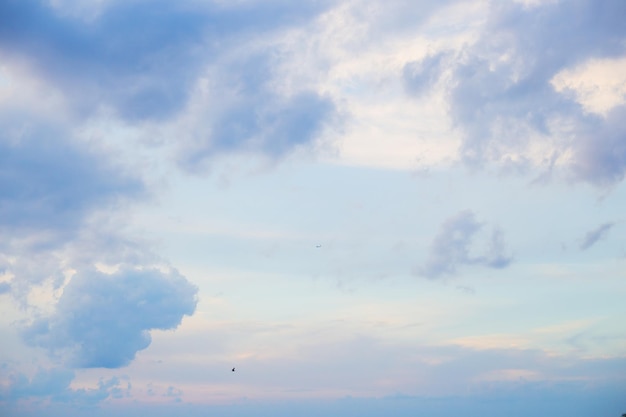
pixel 258 121
pixel 54 384
pixel 46 382
pixel 593 236
pixel 421 75
pixel 50 182
pixel 502 97
pixel 452 247
pixel 145 62
pixel 103 320
pixel 139 58
pixel 51 187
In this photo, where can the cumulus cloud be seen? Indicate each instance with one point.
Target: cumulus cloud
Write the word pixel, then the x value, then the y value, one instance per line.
pixel 103 320
pixel 453 244
pixel 593 236
pixel 502 97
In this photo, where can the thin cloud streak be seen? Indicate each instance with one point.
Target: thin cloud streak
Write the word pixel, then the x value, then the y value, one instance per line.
pixel 592 237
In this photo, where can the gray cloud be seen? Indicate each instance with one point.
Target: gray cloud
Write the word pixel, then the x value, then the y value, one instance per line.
pixel 50 182
pixel 452 247
pixel 423 74
pixel 139 57
pixel 593 236
pixel 143 60
pixel 261 122
pixel 54 384
pixel 51 187
pixel 103 320
pixel 501 93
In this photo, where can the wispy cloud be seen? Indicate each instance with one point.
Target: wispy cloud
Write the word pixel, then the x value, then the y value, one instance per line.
pixel 253 117
pixel 452 247
pixel 593 236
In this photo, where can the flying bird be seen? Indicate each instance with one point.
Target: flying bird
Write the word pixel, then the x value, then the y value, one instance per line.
pixel 318 246
pixel 233 370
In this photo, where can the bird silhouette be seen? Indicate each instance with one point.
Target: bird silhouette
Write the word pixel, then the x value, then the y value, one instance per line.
pixel 233 370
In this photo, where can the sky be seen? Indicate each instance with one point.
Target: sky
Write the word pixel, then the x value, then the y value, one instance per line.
pixel 366 207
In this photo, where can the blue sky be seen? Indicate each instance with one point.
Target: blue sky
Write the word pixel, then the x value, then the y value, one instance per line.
pixel 369 208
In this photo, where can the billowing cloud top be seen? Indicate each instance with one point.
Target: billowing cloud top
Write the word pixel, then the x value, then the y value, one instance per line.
pixel 102 320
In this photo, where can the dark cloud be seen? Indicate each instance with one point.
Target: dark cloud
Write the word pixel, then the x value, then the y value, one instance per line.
pixel 46 382
pixel 138 57
pixel 144 60
pixel 501 93
pixel 600 153
pixel 261 122
pixel 452 247
pixel 593 236
pixel 50 182
pixel 253 116
pixel 51 187
pixel 54 384
pixel 103 320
